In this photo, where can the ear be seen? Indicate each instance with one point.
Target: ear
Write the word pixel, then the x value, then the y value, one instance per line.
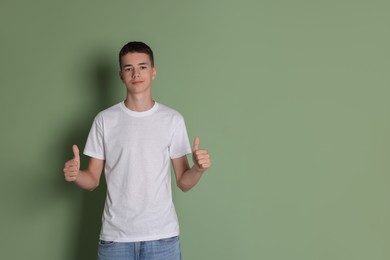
pixel 154 72
pixel 120 75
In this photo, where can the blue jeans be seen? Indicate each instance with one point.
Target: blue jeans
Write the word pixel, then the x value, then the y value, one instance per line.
pixel 163 249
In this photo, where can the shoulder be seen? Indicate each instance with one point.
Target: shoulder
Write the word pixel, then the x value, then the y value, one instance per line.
pixel 171 117
pixel 110 111
pixel 168 111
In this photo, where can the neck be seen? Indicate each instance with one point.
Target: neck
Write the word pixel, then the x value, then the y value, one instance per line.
pixel 139 104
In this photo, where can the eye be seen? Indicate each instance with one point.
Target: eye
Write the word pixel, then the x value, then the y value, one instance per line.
pixel 128 69
pixel 143 67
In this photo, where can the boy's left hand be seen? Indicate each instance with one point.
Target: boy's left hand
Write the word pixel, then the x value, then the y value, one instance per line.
pixel 200 157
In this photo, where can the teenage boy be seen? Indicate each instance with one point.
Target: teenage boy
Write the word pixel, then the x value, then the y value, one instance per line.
pixel 135 142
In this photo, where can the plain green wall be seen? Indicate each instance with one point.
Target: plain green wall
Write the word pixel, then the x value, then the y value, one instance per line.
pixel 290 97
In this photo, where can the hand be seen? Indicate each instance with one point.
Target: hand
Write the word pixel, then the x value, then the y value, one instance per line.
pixel 200 157
pixel 72 167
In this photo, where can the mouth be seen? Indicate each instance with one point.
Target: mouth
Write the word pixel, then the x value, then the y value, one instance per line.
pixel 136 82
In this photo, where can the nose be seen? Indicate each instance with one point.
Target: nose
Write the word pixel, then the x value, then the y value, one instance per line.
pixel 136 73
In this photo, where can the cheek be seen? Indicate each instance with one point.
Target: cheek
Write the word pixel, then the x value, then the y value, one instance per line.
pixel 126 78
pixel 122 77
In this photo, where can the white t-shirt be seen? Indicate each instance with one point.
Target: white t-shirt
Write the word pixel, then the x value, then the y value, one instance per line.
pixel 137 148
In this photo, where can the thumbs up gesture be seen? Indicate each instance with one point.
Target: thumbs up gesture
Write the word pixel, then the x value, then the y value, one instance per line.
pixel 200 157
pixel 72 167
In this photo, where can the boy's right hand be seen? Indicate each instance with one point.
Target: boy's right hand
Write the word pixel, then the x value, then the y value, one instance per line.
pixel 72 167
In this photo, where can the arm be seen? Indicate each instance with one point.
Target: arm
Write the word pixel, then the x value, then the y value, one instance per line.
pixel 186 177
pixel 87 179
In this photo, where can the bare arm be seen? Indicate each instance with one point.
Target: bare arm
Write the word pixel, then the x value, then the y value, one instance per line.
pixel 87 179
pixel 187 177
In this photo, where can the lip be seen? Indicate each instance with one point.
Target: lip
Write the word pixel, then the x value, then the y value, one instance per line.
pixel 136 82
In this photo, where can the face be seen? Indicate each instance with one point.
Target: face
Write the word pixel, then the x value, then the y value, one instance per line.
pixel 137 72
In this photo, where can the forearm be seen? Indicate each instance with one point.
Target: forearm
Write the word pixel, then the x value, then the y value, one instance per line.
pixel 86 180
pixel 190 178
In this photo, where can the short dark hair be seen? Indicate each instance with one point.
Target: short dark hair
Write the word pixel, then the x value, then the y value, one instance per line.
pixel 132 47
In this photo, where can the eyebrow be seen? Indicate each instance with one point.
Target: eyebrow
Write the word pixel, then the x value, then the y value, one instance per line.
pixel 139 64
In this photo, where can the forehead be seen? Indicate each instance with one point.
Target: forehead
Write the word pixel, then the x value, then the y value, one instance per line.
pixel 135 58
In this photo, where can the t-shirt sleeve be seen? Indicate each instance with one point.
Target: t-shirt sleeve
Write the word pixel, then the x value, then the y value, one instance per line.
pixel 180 144
pixel 95 142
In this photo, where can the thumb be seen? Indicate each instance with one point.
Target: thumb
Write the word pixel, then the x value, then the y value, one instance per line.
pixel 76 153
pixel 196 144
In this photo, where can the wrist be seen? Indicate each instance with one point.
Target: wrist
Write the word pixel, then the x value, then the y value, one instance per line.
pixel 198 169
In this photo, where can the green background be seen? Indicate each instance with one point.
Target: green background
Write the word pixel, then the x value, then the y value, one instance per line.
pixel 291 98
